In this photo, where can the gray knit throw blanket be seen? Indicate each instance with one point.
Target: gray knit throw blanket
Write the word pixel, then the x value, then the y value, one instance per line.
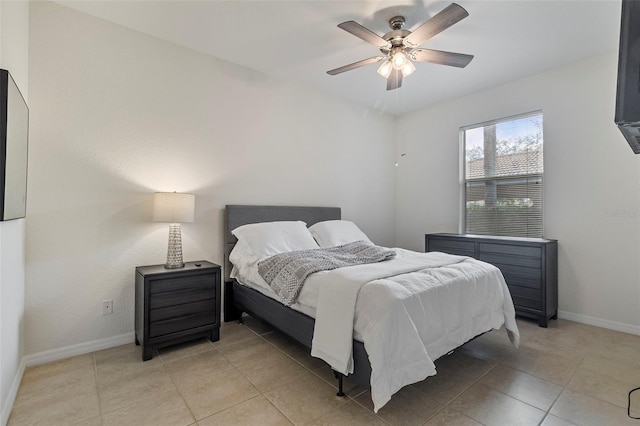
pixel 286 272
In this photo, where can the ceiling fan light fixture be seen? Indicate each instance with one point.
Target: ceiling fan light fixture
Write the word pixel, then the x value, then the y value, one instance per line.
pixel 385 69
pixel 408 69
pixel 399 60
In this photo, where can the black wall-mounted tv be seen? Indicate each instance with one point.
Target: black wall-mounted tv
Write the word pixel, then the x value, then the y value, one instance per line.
pixel 628 95
pixel 14 136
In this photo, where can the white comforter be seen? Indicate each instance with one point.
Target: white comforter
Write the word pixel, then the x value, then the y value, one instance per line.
pixel 405 321
pixel 409 311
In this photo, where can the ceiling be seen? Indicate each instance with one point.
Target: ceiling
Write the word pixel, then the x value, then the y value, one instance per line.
pixel 299 40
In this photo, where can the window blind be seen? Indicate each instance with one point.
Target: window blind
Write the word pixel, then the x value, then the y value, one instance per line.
pixel 503 177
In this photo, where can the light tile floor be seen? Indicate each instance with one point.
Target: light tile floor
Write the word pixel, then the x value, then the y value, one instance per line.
pixel 567 374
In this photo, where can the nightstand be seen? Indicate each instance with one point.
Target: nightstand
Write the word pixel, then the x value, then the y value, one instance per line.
pixel 176 305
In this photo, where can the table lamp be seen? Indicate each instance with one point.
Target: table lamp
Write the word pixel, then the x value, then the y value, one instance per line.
pixel 174 208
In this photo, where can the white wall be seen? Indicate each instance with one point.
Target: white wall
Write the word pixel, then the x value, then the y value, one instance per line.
pixel 14 43
pixel 117 115
pixel 589 171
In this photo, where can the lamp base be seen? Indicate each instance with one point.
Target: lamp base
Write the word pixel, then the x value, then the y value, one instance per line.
pixel 174 252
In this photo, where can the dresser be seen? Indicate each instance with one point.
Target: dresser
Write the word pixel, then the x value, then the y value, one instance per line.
pixel 529 266
pixel 176 305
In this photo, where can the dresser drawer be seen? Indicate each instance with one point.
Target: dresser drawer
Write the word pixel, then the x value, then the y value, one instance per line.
pixel 204 306
pixel 507 259
pixel 512 280
pixel 462 248
pixel 526 297
pixel 518 271
pixel 195 282
pixel 510 249
pixel 160 328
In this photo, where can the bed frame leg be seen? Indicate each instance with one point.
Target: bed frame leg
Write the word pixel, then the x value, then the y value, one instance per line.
pixel 339 376
pixel 231 312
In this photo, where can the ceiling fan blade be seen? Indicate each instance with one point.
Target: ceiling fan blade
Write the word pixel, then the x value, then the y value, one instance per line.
pixel 459 60
pixel 355 65
pixel 365 34
pixel 436 24
pixel 394 80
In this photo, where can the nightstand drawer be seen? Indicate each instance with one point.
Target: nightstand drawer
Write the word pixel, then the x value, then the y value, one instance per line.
pixel 181 283
pixel 170 298
pixel 160 328
pixel 204 306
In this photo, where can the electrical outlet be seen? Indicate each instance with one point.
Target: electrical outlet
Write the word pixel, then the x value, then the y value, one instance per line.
pixel 107 307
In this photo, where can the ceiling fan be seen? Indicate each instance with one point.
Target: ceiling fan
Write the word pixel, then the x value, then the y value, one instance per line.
pixel 399 46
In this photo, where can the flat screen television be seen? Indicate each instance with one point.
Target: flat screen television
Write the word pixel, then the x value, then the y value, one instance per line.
pixel 628 94
pixel 14 136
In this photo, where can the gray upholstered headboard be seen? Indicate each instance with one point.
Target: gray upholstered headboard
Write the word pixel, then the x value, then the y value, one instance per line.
pixel 238 215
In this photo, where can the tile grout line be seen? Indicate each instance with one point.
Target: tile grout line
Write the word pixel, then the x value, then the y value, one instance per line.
pixel 233 367
pixel 246 378
pixel 277 409
pixel 347 399
pixel 466 389
pixel 564 387
pixel 367 409
pixel 131 404
pixel 448 404
pixel 524 402
pixel 166 370
pixel 95 376
pixel 262 393
pixel 309 370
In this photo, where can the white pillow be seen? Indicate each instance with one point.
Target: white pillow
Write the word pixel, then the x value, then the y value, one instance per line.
pixel 245 265
pixel 241 255
pixel 333 233
pixel 271 238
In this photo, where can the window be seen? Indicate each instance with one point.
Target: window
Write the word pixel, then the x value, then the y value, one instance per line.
pixel 503 171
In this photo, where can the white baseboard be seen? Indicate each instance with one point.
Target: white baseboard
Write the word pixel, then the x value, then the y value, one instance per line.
pixel 7 405
pixel 55 355
pixel 599 322
pixel 79 349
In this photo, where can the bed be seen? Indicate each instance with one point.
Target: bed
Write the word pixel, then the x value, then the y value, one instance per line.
pixel 239 298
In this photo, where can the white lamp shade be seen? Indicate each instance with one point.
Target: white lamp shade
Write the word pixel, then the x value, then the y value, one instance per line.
pixel 173 207
pixel 408 69
pixel 385 68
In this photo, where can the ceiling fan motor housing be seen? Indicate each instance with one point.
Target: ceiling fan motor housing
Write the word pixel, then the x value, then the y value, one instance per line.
pixel 396 35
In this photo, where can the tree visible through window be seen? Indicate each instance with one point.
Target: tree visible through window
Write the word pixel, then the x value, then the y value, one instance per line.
pixel 503 171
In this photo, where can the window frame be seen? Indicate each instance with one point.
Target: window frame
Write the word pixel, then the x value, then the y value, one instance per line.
pixel 462 216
